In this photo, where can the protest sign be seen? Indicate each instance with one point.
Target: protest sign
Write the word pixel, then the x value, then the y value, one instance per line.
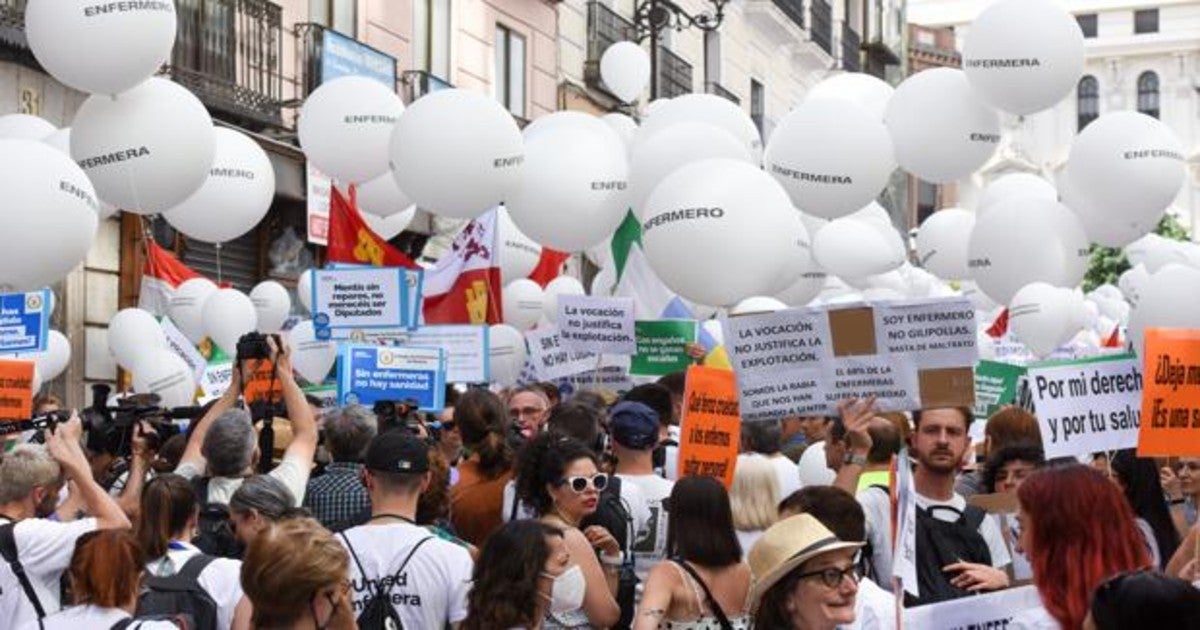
pixel 466 347
pixel 369 374
pixel 552 360
pixel 603 325
pixel 327 394
pixel 710 429
pixel 16 391
pixel 613 378
pixel 1171 404
pixel 24 321
pixel 995 386
pixel 908 355
pixel 183 348
pixel 217 378
pixel 1086 406
pixel 358 298
pixel 988 611
pixel 662 346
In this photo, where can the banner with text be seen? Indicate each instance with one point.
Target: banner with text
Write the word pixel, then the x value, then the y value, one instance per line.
pixel 710 430
pixel 987 611
pixel 603 325
pixel 24 321
pixel 369 374
pixel 662 346
pixel 995 386
pixel 179 344
pixel 359 298
pixel 1086 406
pixel 552 359
pixel 907 354
pixel 1171 404
pixel 16 391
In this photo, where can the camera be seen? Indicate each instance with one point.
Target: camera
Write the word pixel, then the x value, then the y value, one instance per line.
pixel 254 345
pixel 403 415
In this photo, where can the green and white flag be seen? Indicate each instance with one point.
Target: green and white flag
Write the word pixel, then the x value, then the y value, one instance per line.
pixel 634 277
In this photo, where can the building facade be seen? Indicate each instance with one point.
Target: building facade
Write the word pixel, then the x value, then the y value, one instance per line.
pixel 1139 55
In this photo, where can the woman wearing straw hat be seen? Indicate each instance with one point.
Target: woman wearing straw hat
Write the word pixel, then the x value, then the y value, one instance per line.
pixel 804 577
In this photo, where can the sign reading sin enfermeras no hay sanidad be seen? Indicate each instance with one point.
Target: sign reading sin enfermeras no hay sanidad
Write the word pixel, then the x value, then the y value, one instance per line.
pixel 369 374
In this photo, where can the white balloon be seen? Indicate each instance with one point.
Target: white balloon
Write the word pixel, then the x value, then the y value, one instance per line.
pixel 603 283
pixel 757 304
pixel 1168 300
pixel 705 108
pixel 93 48
pixel 1133 283
pixel 132 334
pixel 830 158
pixel 61 140
pixel 49 215
pixel 625 127
pixel 1015 185
pixel 562 285
pixel 52 361
pixel 850 247
pixel 868 92
pixel 942 243
pixel 979 300
pixel 625 69
pixel 457 153
pixel 164 373
pixel 718 231
pixel 1101 229
pixel 272 304
pixel 1021 241
pixel 25 127
pixel 653 158
pixel 228 314
pixel 805 289
pixel 235 197
pixel 941 130
pixel 345 125
pixel 1041 317
pixel 304 289
pixel 1023 56
pixel 312 358
pixel 388 227
pixel 506 354
pixel 146 150
pixel 800 259
pixel 522 301
pixel 519 254
pixel 186 307
pixel 573 188
pixel 382 197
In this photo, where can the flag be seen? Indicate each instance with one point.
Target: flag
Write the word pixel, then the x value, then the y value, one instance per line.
pixel 1000 326
pixel 635 278
pixel 351 241
pixel 549 266
pixel 904 526
pixel 464 286
pixel 1114 340
pixel 162 275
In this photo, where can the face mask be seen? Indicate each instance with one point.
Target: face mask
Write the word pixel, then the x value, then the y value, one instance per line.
pixel 566 591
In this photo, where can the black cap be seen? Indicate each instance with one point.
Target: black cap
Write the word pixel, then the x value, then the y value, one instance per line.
pixel 397 452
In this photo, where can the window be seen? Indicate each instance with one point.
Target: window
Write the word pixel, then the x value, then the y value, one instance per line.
pixel 431 37
pixel 1147 95
pixel 1145 21
pixel 1087 24
pixel 927 200
pixel 712 57
pixel 339 15
pixel 758 105
pixel 1087 101
pixel 508 85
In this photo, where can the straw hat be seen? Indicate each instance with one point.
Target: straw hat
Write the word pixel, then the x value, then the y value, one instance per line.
pixel 785 546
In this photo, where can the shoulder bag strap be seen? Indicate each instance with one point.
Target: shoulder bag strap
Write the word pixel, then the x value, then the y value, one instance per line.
pixel 354 554
pixel 8 548
pixel 195 566
pixel 722 620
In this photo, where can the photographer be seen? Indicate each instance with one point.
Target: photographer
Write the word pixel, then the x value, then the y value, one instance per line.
pixel 37 550
pixel 127 486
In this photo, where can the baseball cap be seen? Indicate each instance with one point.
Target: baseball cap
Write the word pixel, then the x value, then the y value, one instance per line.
pixel 634 425
pixel 397 452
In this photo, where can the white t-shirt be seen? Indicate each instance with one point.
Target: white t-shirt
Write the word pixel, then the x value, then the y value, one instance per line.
pixel 747 538
pixel 631 499
pixel 789 475
pixel 876 505
pixel 812 468
pixel 44 548
pixel 432 589
pixel 671 467
pixel 651 546
pixel 293 472
pixel 874 608
pixel 221 579
pixel 88 616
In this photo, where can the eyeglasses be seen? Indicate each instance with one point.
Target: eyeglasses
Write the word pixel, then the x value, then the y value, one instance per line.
pixel 516 412
pixel 832 576
pixel 579 484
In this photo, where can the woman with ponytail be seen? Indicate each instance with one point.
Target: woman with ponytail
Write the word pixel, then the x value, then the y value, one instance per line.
pixel 167 523
pixel 476 501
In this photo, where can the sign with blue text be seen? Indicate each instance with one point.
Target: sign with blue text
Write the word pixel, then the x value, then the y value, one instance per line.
pixel 343 56
pixel 359 298
pixel 24 321
pixel 369 374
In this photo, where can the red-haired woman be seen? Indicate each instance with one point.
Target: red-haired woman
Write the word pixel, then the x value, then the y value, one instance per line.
pixel 1077 530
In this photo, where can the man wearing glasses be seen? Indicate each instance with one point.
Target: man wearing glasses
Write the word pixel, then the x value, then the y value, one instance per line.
pixel 528 408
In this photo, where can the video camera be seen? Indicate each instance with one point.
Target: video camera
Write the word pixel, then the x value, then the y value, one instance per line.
pixel 110 428
pixel 403 415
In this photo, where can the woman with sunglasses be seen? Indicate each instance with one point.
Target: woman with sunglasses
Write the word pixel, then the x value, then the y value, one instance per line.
pixel 559 479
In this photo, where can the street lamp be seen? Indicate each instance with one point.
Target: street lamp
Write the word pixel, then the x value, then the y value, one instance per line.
pixel 653 16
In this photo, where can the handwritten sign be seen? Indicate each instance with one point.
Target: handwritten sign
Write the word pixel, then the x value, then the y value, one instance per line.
pixel 358 298
pixel 217 378
pixel 16 391
pixel 552 360
pixel 995 386
pixel 1087 406
pixel 372 373
pixel 603 325
pixel 661 346
pixel 24 321
pixel 710 429
pixel 1171 403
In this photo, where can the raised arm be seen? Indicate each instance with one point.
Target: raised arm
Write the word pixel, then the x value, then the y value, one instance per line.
pixel 63 445
pixel 856 416
pixel 304 424
pixel 192 454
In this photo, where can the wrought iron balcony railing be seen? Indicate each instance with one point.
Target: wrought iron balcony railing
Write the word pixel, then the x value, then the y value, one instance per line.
pixel 605 28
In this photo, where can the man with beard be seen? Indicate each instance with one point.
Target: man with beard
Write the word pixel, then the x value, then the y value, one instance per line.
pixel 34 546
pixel 937 446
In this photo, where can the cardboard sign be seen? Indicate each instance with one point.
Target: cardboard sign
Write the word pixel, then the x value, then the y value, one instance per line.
pixel 990 610
pixel 995 386
pixel 1086 406
pixel 1171 404
pixel 710 429
pixel 603 325
pixel 16 390
pixel 183 348
pixel 552 360
pixel 24 321
pixel 369 374
pixel 359 298
pixel 661 346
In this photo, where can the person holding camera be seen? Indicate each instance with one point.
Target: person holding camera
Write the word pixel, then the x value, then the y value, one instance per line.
pixel 35 549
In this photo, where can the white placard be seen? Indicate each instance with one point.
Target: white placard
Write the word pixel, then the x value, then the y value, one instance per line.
pixel 552 360
pixel 180 345
pixel 777 358
pixel 216 379
pixel 991 610
pixel 358 297
pixel 602 325
pixel 1086 407
pixel 466 347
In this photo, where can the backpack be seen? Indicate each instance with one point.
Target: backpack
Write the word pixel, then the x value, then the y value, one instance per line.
pixel 941 543
pixel 214 533
pixel 611 515
pixel 379 614
pixel 8 550
pixel 179 597
pixel 128 623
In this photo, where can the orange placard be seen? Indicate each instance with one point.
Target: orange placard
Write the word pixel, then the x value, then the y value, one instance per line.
pixel 261 382
pixel 1170 423
pixel 16 390
pixel 711 425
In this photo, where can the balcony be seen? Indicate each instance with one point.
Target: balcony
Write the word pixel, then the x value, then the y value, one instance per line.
pixel 822 25
pixel 605 28
pixel 851 46
pixel 229 53
pixel 794 9
pixel 714 88
pixel 418 83
pixel 674 74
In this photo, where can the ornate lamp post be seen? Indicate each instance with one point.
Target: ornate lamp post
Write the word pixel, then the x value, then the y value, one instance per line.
pixel 654 16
